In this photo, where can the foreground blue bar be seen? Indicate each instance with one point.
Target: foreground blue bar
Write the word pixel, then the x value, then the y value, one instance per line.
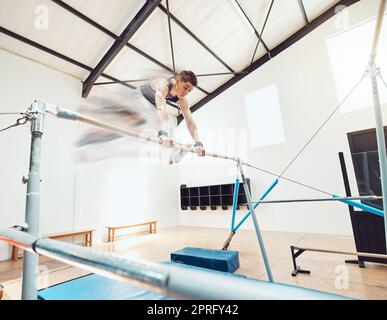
pixel 257 204
pixel 362 206
pixel 95 287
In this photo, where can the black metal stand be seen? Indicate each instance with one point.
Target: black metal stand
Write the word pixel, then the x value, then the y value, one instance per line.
pixel 359 262
pixel 297 269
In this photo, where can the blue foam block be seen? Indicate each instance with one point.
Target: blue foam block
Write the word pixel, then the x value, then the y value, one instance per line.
pixel 221 260
pixel 95 287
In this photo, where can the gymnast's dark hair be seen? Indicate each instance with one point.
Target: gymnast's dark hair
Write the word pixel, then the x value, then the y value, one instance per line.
pixel 188 76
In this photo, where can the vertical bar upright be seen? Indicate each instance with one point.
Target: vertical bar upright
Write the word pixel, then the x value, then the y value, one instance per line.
pixel 377 109
pixel 31 260
pixel 256 225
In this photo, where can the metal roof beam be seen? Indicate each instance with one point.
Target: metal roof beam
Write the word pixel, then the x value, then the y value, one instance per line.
pixel 302 8
pixel 259 36
pixel 263 29
pixel 122 40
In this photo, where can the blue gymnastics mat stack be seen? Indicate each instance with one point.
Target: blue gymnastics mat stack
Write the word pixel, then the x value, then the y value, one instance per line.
pixel 220 260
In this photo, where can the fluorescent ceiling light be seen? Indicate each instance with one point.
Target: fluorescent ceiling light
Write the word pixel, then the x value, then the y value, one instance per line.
pixel 243 16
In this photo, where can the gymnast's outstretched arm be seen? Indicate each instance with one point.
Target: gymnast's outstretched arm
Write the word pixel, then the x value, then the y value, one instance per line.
pixel 161 90
pixel 191 126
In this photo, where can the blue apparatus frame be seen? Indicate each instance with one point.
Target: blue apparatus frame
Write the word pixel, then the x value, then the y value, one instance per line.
pixel 362 206
pixel 263 196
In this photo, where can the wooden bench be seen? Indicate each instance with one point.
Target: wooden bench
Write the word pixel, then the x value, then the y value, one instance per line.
pixel 87 234
pixel 112 230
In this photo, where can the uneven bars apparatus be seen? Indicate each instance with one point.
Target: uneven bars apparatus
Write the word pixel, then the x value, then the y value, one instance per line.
pixel 38 110
pixel 36 114
pixel 70 115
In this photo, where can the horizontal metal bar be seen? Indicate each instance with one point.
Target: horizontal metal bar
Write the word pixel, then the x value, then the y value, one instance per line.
pixel 171 280
pixel 322 199
pixel 19 239
pixel 351 253
pixel 72 115
pixel 134 271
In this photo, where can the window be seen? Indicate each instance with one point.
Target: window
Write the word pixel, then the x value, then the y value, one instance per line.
pixel 349 54
pixel 264 117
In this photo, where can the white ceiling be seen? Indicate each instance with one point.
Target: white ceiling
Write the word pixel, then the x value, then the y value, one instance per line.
pixel 216 23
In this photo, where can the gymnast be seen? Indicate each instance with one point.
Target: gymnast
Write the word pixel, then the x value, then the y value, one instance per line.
pixel 145 110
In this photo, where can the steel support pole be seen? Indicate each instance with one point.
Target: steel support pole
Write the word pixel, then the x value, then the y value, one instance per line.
pixel 256 225
pixel 31 260
pixel 377 109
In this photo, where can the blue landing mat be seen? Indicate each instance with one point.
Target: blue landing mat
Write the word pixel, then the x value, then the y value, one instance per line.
pixel 221 260
pixel 95 287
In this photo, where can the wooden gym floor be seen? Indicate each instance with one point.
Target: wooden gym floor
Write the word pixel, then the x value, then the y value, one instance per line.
pixel 329 272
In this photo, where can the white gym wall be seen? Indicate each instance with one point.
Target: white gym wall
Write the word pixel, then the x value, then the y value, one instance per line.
pixel 22 81
pixel 307 94
pixel 122 190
